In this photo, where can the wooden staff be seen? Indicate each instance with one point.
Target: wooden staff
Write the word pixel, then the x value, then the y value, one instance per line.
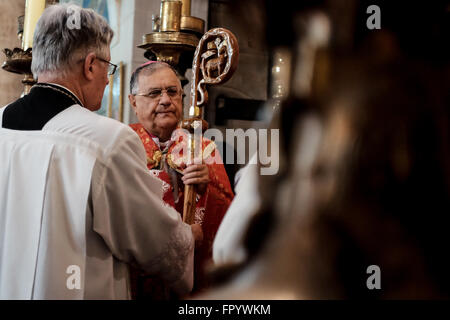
pixel 216 56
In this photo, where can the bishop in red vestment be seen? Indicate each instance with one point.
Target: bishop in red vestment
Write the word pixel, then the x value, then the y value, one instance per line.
pixel 156 97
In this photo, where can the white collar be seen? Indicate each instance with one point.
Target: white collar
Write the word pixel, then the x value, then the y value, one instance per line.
pixel 162 145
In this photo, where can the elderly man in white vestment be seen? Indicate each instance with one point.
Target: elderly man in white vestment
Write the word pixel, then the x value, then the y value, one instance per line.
pixel 77 203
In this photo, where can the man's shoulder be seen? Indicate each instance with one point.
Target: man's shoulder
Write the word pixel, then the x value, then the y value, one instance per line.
pixel 105 132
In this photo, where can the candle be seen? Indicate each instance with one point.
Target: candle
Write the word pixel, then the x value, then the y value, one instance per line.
pixel 33 11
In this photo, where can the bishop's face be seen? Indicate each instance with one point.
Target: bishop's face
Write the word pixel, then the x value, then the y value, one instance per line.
pixel 158 113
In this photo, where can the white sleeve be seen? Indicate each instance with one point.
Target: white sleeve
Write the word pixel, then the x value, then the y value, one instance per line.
pixel 137 226
pixel 228 244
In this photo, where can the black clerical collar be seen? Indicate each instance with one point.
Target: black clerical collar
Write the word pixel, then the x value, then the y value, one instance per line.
pixel 33 111
pixel 60 89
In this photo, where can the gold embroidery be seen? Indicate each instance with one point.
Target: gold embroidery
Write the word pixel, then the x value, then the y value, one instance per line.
pixel 173 165
pixel 176 162
pixel 157 155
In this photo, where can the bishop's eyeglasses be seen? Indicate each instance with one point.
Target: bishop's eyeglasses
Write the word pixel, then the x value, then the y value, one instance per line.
pixel 157 93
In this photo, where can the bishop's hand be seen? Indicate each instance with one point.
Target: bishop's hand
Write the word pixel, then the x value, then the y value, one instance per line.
pixel 198 175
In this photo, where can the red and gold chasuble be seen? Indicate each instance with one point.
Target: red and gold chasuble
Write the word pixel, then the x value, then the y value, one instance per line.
pixel 210 207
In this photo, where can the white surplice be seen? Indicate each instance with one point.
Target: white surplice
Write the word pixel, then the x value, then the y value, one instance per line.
pixel 77 196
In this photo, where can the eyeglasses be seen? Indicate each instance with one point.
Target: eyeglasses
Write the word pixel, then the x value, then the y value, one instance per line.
pixel 154 94
pixel 111 68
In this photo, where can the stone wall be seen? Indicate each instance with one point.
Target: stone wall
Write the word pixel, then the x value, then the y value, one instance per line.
pixel 10 84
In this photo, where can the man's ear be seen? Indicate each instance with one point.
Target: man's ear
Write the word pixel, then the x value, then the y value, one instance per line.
pixel 88 67
pixel 132 99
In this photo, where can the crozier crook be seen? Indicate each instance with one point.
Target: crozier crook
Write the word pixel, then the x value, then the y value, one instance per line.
pixel 215 60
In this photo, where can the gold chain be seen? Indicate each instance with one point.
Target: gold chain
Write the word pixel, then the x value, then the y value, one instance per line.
pixel 60 91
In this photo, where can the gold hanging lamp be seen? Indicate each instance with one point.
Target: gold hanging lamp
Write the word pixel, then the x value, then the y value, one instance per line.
pixel 175 35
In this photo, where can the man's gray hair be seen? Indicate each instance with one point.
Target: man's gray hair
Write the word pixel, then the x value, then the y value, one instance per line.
pixel 59 44
pixel 147 69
